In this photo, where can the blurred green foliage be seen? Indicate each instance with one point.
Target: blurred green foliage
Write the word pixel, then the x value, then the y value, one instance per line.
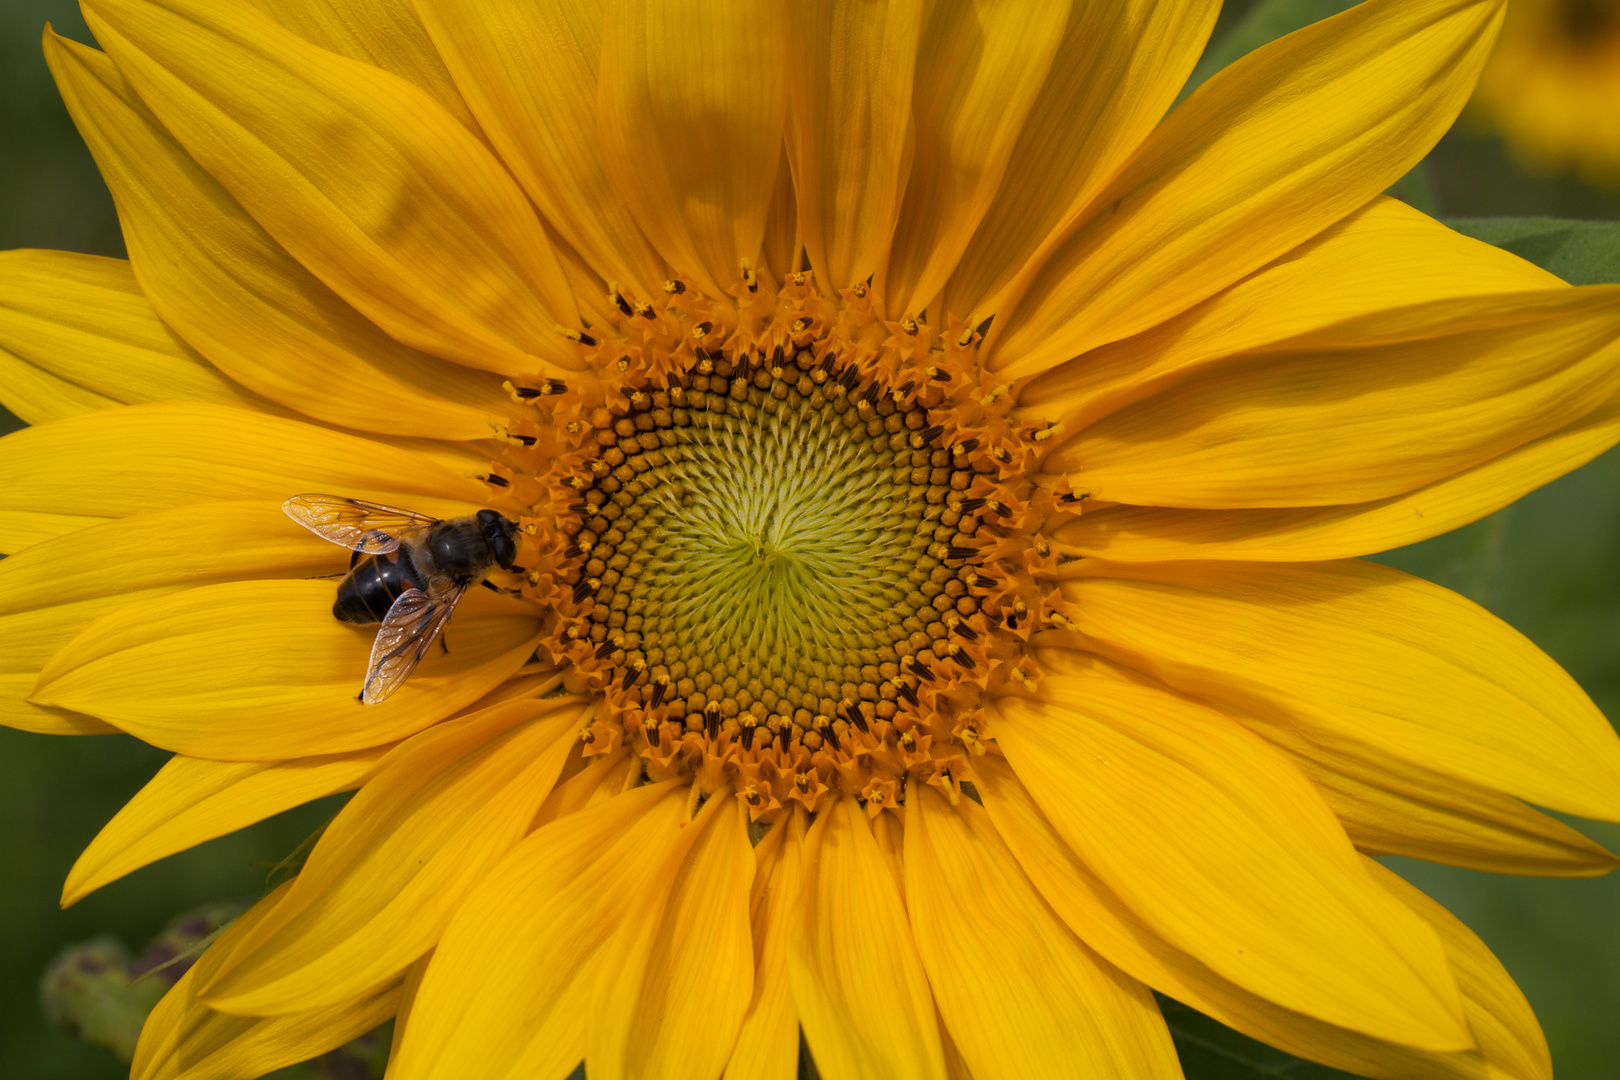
pixel 1550 565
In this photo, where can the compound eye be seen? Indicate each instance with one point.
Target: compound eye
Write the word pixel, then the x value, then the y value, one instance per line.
pixel 504 549
pixel 487 518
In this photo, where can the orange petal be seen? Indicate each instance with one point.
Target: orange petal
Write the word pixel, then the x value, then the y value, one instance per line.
pixel 690 104
pixel 1021 995
pixel 1109 926
pixel 234 293
pixel 1222 847
pixel 79 471
pixel 768 1043
pixel 260 669
pixel 529 966
pixel 530 73
pixel 1263 156
pixel 192 799
pixel 1359 656
pixel 389 871
pixel 857 980
pixel 414 222
pixel 979 68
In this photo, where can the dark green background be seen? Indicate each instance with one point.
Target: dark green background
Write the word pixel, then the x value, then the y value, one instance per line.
pixel 1550 565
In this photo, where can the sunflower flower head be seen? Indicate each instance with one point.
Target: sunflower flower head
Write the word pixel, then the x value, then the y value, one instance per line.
pixel 1553 87
pixel 937 471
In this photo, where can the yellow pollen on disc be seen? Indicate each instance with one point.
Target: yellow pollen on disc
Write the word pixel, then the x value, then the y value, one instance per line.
pixel 790 542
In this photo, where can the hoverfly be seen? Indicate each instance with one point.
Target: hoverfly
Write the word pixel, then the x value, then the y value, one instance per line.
pixel 408 572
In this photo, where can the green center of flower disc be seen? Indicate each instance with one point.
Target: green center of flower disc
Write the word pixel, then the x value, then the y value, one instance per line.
pixel 769 547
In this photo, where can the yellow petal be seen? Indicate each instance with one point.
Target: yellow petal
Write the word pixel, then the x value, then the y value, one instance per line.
pixel 1226 851
pixel 1385 255
pixel 850 70
pixel 391 868
pixel 1021 995
pixel 1109 926
pixel 515 986
pixel 1117 69
pixel 261 669
pixel 1367 409
pixel 191 800
pixel 857 980
pixel 690 105
pixel 1390 807
pixel 77 334
pixel 1510 1040
pixel 386 33
pixel 232 291
pixel 1269 152
pixel 768 1043
pixel 701 974
pixel 529 72
pixel 1313 533
pixel 979 67
pixel 783 249
pixel 185 1040
pixel 49 592
pixel 410 219
pixel 1359 656
pixel 119 462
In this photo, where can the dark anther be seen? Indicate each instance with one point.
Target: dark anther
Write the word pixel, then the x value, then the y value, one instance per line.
pixel 582 590
pixel 776 356
pixel 652 727
pixel 856 717
pixel 801 324
pixel 629 392
pixel 604 650
pixel 1012 620
pixel 527 393
pixel 578 508
pixel 871 395
pixel 960 655
pixel 656 698
pixel 623 304
pixel 1000 509
pixel 984 327
pixel 929 434
pixel 921 669
pixel 629 679
pixel 966 631
pixel 556 386
pixel 711 719
pixel 749 726
pixel 981 582
pixel 849 378
pixel 826 732
pixel 526 440
pixel 939 374
pixel 905 690
pixel 583 338
pixel 906 388
pixel 645 310
pixel 966 446
pixel 960 552
pixel 970 505
pixel 573 550
pixel 701 330
pixel 676 287
pixel 498 481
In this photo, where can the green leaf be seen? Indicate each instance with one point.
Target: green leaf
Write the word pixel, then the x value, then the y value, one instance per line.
pixel 1212 1051
pixel 1580 252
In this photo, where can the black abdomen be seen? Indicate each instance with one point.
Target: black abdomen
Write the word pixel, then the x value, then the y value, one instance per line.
pixel 373 584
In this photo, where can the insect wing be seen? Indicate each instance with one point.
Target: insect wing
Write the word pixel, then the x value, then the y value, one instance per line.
pixel 409 629
pixel 366 527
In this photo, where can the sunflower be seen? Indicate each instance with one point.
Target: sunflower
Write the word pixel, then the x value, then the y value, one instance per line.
pixel 1553 87
pixel 936 478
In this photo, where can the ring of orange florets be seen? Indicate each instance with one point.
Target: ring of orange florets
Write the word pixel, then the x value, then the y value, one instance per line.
pixel 909 714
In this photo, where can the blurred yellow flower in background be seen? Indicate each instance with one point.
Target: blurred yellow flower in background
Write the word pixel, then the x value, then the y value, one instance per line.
pixel 1553 87
pixel 938 476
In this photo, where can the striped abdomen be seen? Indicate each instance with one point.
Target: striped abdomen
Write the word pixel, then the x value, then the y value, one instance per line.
pixel 373 584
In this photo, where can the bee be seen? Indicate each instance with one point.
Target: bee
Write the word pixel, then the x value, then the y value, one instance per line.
pixel 408 572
